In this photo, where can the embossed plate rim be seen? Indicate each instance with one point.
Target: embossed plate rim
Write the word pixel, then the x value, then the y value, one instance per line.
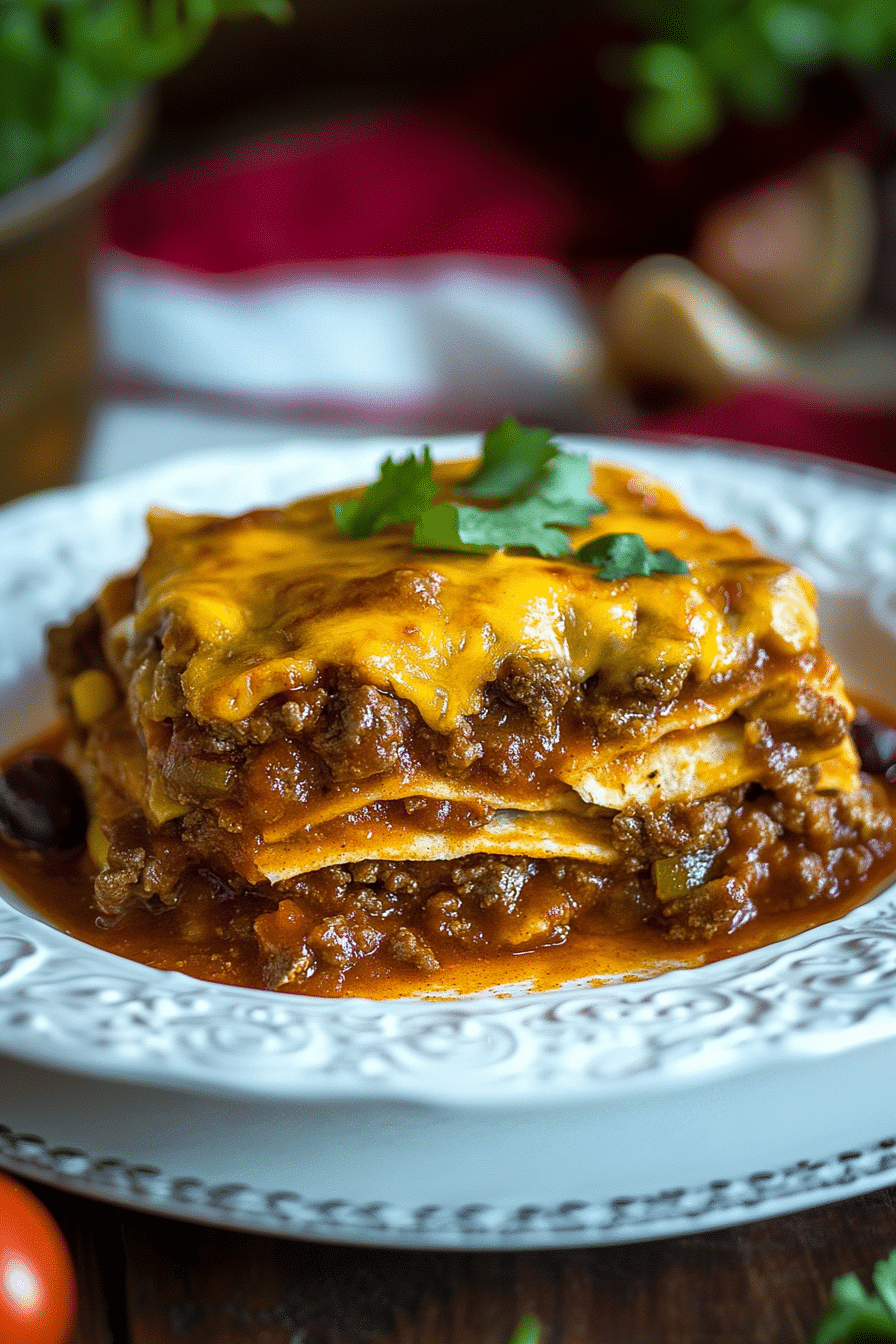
pixel 662 1213
pixel 130 1022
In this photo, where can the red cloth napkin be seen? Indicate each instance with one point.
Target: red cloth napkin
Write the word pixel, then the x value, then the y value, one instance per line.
pixel 385 187
pixel 378 195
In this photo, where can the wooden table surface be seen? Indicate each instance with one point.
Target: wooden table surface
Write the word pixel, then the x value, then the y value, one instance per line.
pixel 150 1280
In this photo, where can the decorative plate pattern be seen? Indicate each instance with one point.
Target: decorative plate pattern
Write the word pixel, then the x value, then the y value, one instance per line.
pixel 666 1213
pixel 827 990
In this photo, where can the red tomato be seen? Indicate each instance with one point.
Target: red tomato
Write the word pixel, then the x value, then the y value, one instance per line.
pixel 37 1281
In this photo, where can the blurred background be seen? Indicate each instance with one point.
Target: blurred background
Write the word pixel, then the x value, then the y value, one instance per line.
pixel 225 222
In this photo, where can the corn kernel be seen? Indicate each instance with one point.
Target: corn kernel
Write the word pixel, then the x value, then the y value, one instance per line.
pixel 93 694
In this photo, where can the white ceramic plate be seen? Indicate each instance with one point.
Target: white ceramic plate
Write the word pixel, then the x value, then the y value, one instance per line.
pixel 702 1098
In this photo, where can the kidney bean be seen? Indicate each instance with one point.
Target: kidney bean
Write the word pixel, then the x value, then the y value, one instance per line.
pixel 875 742
pixel 42 804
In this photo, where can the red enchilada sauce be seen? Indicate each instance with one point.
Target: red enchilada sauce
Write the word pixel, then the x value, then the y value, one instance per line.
pixel 210 935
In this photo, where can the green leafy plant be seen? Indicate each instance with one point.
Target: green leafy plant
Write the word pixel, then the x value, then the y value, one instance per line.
pixel 528 1331
pixel 855 1314
pixel 65 65
pixel 706 58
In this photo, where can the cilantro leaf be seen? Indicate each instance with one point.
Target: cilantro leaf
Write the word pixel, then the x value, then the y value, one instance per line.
pixel 566 489
pixel 855 1314
pixel 458 527
pixel 528 1331
pixel 562 497
pixel 400 495
pixel 884 1280
pixel 513 459
pixel 622 555
pixel 521 464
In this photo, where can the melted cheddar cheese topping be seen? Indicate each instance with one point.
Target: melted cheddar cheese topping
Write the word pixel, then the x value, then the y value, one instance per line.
pixel 232 611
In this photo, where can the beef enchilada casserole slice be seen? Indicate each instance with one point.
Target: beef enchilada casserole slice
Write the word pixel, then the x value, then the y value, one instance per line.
pixel 428 733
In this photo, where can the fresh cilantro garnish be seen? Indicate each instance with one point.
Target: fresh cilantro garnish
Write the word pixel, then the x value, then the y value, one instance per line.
pixel 562 497
pixel 528 1331
pixel 545 489
pixel 400 495
pixel 513 459
pixel 622 555
pixel 565 489
pixel 457 527
pixel 855 1314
